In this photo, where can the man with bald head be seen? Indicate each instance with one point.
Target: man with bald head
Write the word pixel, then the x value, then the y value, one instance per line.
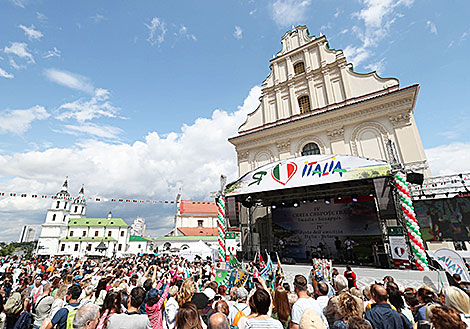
pixel 381 315
pixel 218 321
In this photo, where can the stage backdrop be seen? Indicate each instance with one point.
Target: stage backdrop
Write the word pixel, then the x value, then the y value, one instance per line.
pixel 302 229
pixel 442 219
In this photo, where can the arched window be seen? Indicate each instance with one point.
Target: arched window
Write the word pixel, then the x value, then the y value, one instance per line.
pixel 167 246
pixel 53 217
pixel 57 205
pixel 299 68
pixel 304 104
pixel 76 209
pixel 310 149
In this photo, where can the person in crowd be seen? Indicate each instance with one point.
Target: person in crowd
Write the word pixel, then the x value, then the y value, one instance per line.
pixel 132 317
pixel 425 297
pixel 349 245
pixel 351 277
pixel 60 318
pixel 332 310
pixel 171 309
pixel 446 318
pixel 396 300
pixel 348 307
pixel 281 308
pixel 262 301
pixel 86 317
pixel 218 321
pixel 42 307
pixel 188 317
pixel 459 301
pixel 356 322
pixel 322 298
pixel 222 307
pixel 36 291
pixel 381 315
pixel 304 302
pixel 100 291
pixel 186 292
pixel 155 299
pixel 111 305
pixel 240 308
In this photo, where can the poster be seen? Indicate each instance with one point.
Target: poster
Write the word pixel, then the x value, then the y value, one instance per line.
pixel 311 229
pixel 441 219
pixel 399 251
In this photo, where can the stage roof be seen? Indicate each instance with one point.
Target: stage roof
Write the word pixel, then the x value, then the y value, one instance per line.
pixel 307 171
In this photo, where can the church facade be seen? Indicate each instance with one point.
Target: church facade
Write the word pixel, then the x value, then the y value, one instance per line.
pixel 68 232
pixel 313 102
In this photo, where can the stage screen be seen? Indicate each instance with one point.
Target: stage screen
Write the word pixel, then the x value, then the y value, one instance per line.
pixel 441 219
pixel 303 230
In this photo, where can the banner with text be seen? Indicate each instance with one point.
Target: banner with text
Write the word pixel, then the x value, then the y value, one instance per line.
pixel 313 229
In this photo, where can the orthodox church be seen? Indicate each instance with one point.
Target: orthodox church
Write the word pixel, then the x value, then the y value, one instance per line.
pixel 68 232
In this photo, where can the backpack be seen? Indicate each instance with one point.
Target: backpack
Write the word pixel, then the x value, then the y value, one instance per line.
pixel 72 310
pixel 25 321
pixel 13 304
pixel 240 314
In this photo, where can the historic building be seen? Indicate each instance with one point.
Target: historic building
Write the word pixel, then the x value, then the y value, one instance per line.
pixel 195 218
pixel 313 102
pixel 67 230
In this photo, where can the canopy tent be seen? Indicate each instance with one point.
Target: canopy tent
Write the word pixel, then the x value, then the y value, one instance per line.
pixel 307 171
pixel 197 249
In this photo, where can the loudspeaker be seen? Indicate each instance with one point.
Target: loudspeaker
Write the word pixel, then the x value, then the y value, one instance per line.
pixel 384 197
pixel 233 212
pixel 415 178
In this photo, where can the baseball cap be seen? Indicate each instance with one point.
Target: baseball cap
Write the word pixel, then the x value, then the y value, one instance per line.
pixel 77 277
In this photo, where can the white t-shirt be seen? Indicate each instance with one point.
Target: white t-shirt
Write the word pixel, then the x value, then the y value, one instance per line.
pixel 263 324
pixel 305 303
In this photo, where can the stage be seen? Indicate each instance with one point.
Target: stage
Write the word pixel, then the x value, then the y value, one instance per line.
pixel 315 206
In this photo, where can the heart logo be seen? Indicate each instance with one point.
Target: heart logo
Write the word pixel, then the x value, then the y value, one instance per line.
pixel 399 251
pixel 282 173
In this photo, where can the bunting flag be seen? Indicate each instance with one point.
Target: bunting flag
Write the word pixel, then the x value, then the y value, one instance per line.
pixel 233 261
pixel 279 271
pixel 92 199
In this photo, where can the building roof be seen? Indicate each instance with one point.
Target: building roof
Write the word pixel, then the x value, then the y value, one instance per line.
pixel 198 231
pixel 86 238
pixel 113 222
pixel 194 207
pixel 138 238
pixel 186 238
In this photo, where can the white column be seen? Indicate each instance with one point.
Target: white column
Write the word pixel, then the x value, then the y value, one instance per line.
pixel 293 101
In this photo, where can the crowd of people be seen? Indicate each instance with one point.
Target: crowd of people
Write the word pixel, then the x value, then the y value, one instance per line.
pixel 171 293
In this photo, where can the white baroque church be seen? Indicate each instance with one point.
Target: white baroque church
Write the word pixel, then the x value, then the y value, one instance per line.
pixel 68 232
pixel 313 102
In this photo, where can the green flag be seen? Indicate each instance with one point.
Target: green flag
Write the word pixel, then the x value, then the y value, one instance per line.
pixel 220 275
pixel 233 261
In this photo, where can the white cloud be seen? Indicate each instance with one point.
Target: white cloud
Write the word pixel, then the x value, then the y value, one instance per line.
pixel 71 80
pixel 86 110
pixel 337 13
pixel 19 49
pixel 31 32
pixel 288 12
pixel 238 33
pixel 157 31
pixel 432 27
pixel 449 159
pixel 183 31
pixel 98 18
pixel 19 3
pixel 154 168
pixel 53 53
pixel 377 17
pixel 344 31
pixel 15 65
pixel 41 17
pixel 379 66
pixel 252 12
pixel 19 121
pixel 5 74
pixel 101 131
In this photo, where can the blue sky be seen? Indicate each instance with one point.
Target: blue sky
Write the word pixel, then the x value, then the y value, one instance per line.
pixel 137 99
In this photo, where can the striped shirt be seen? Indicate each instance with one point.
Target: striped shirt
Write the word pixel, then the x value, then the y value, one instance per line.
pixel 263 324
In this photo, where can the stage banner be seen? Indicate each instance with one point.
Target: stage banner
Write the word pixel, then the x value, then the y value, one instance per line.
pixel 305 171
pixel 399 250
pixel 452 262
pixel 441 219
pixel 314 229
